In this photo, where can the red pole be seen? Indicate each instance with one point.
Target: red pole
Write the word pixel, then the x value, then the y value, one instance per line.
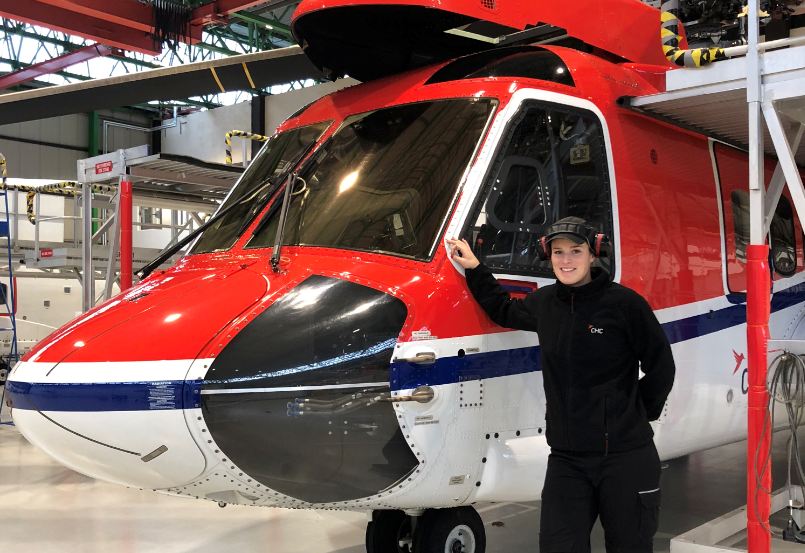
pixel 758 302
pixel 125 235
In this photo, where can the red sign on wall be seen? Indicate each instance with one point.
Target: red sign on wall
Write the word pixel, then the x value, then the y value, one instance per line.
pixel 46 252
pixel 103 167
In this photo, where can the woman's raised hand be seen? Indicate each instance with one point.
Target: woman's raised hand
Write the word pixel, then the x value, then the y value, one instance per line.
pixel 462 254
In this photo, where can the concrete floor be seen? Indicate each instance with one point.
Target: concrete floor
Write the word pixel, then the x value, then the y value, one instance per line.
pixel 48 508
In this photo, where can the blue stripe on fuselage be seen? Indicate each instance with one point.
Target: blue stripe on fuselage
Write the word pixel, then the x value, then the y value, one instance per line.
pixel 714 321
pixel 117 396
pixel 146 396
pixel 447 370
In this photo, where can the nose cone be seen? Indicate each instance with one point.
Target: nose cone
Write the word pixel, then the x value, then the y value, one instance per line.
pixel 296 399
pixel 170 317
pixel 105 395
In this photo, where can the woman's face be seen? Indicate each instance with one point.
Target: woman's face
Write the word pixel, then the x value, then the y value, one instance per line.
pixel 571 262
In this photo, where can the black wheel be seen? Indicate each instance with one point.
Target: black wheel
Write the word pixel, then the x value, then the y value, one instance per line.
pixel 456 530
pixel 389 532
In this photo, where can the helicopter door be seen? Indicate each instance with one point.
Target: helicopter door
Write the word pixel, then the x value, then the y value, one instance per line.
pixel 551 164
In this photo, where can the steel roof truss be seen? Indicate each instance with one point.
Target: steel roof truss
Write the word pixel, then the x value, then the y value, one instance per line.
pixel 71 22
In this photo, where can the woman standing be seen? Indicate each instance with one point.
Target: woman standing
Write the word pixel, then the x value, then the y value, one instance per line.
pixel 595 335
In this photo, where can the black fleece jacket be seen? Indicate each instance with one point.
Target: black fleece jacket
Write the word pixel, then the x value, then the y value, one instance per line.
pixel 593 340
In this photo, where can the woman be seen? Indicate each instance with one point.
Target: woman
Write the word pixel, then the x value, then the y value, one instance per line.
pixel 595 335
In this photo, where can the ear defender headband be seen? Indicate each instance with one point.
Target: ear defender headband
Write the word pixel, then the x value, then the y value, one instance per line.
pixel 588 234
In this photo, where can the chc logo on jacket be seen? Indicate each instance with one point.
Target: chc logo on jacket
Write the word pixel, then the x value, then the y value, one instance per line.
pixel 595 330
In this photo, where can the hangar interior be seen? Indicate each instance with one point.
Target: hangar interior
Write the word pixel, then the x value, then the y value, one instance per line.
pixel 150 144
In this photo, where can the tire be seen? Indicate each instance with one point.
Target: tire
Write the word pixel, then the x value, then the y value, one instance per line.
pixel 386 530
pixel 456 530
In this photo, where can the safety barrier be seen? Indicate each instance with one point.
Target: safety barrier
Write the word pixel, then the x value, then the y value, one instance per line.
pixel 240 134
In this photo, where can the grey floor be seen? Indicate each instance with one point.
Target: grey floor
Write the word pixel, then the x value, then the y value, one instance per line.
pixel 47 508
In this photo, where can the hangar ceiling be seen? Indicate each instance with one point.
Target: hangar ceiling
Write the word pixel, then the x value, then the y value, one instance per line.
pixel 46 42
pixel 244 72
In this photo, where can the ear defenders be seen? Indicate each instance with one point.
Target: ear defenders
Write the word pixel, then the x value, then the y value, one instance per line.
pixel 588 234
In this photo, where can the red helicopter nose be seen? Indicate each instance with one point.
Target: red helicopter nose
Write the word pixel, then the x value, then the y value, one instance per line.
pixel 107 394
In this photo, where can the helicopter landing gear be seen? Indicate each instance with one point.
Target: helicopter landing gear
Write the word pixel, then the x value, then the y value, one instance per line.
pixel 389 532
pixel 454 530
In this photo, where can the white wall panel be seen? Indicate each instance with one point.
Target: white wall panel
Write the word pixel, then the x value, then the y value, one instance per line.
pixel 201 135
pixel 32 161
pixel 47 161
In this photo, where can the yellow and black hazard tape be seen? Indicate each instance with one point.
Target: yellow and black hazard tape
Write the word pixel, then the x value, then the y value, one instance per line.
pixel 669 34
pixel 242 134
pixel 67 189
pixel 3 168
pixel 63 188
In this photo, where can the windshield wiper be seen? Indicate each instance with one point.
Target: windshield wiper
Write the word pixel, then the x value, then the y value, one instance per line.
pixel 278 179
pixel 275 257
pixel 160 259
pixel 272 181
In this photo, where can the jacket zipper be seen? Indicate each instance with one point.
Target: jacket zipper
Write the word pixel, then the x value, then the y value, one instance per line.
pixel 606 428
pixel 570 380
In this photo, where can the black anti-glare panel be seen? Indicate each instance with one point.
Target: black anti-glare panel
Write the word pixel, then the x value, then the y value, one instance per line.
pixel 516 61
pixel 294 399
pixel 368 42
pixel 326 331
pixel 337 449
pixel 171 83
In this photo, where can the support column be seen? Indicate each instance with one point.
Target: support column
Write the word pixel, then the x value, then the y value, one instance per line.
pixel 126 250
pixel 758 302
pixel 93 151
pixel 258 120
pixel 87 272
pixel 758 476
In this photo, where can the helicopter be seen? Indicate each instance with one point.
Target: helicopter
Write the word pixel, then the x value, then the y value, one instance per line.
pixel 317 348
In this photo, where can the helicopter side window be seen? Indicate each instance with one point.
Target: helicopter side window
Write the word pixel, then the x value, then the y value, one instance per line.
pixel 733 168
pixel 782 236
pixel 783 239
pixel 272 160
pixel 551 164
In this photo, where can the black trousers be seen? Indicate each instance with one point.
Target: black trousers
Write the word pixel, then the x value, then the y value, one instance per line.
pixel 622 488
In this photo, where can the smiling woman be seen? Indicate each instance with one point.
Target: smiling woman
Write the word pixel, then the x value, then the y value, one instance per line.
pixel 571 260
pixel 595 336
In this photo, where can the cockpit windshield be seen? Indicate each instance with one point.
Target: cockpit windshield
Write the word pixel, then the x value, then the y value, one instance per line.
pixel 384 181
pixel 256 186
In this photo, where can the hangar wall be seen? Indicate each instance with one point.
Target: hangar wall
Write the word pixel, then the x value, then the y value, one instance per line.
pixel 201 135
pixel 49 148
